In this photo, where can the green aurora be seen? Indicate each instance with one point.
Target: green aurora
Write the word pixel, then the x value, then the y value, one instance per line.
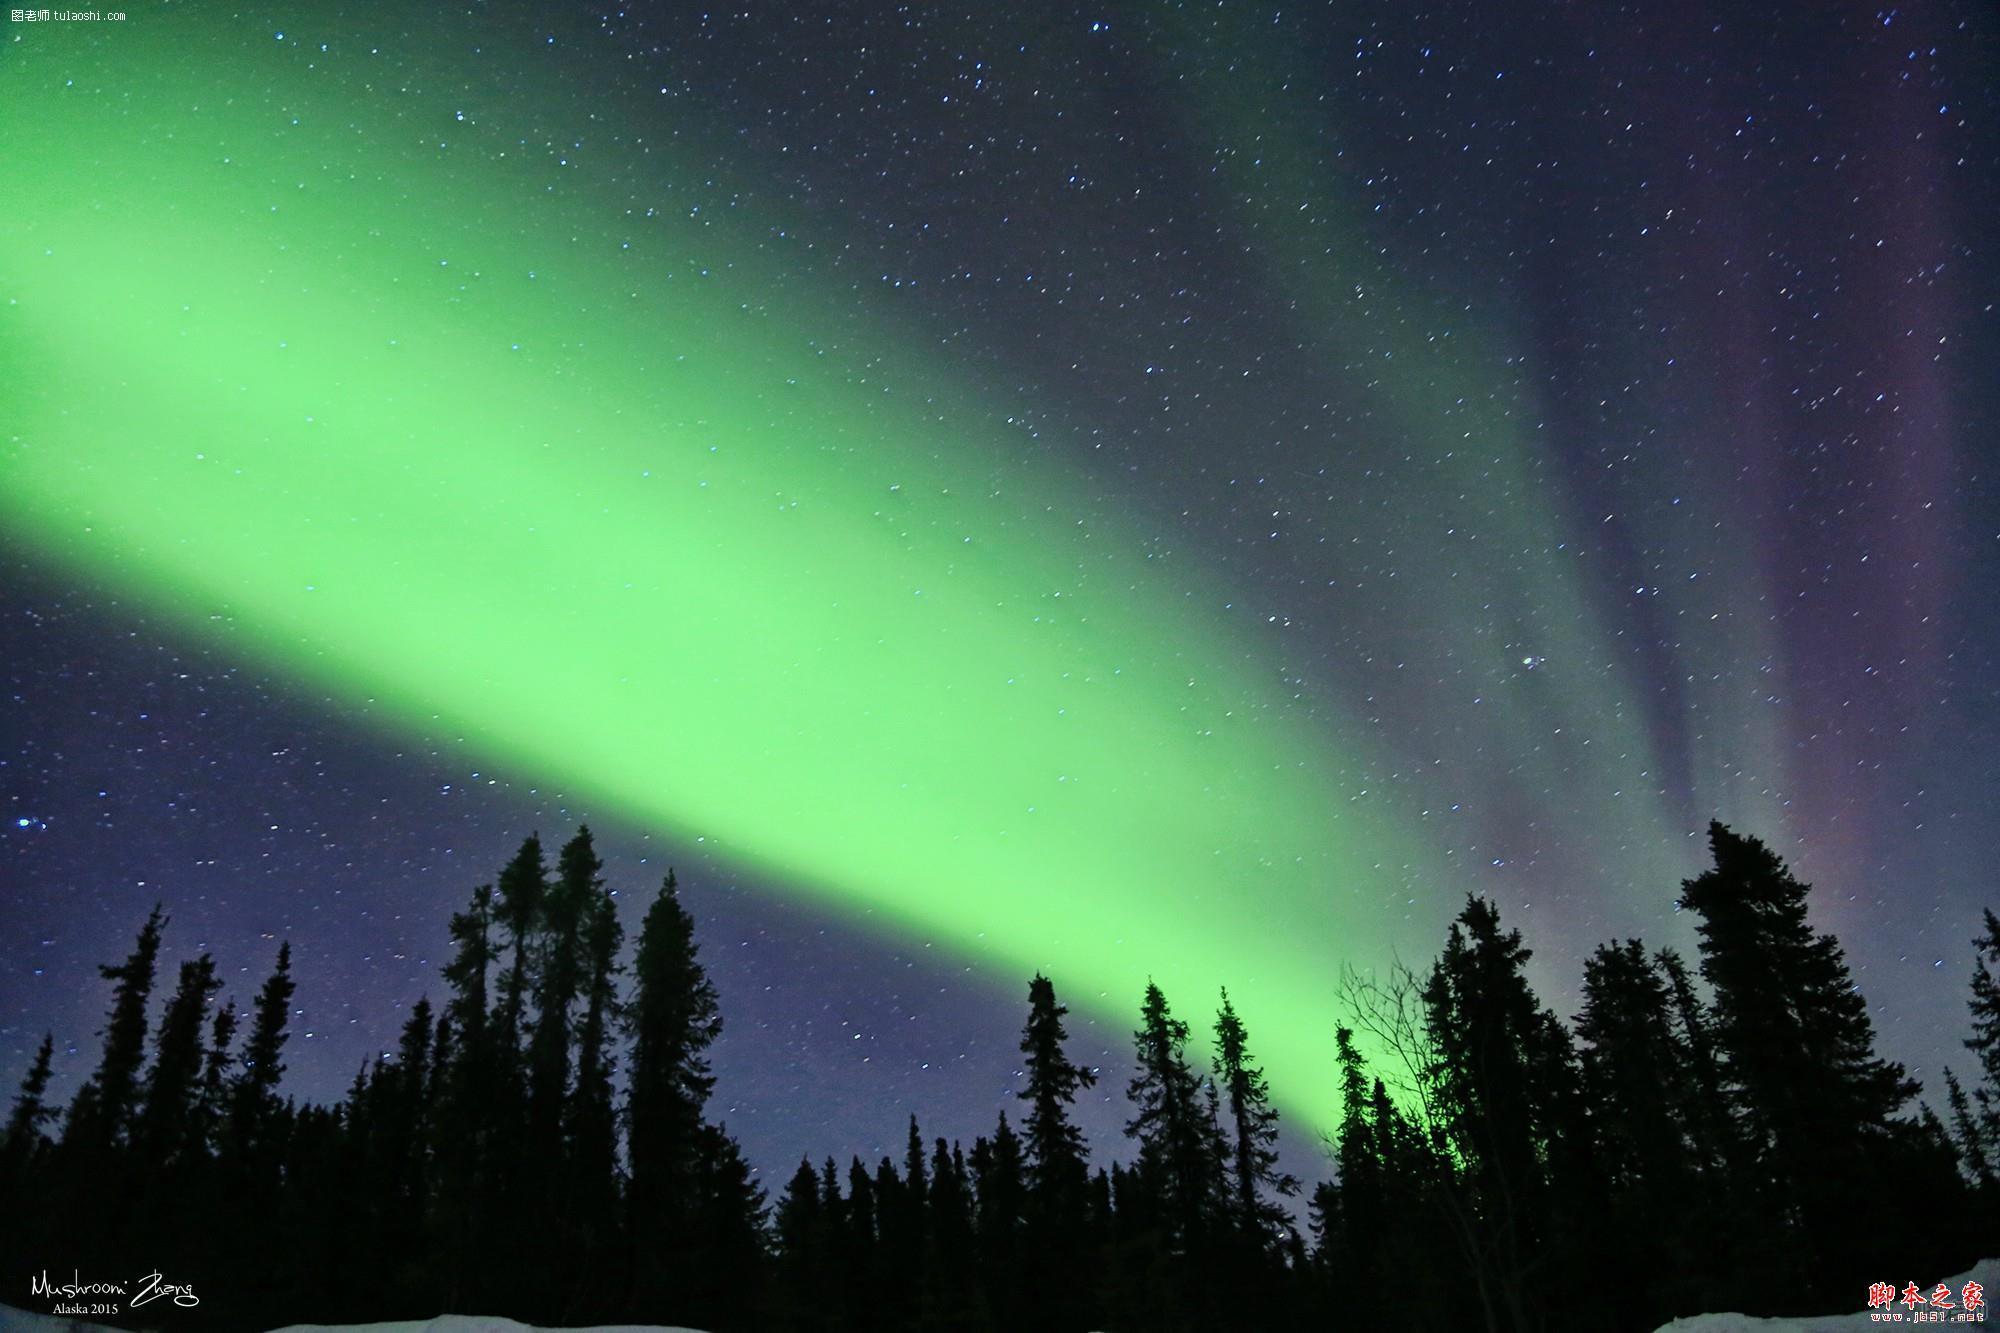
pixel 608 501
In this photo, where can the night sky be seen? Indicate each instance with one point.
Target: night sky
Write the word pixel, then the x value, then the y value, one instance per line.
pixel 1173 490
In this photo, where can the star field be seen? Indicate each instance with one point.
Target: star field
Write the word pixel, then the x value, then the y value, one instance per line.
pixel 1536 431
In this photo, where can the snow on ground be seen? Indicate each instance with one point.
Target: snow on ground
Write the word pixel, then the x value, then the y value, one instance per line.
pixel 471 1323
pixel 27 1321
pixel 1986 1272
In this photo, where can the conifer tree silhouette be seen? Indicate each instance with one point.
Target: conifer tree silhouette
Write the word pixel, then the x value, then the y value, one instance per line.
pixel 167 1129
pixel 690 1202
pixel 1351 1213
pixel 1504 1155
pixel 212 1101
pixel 1815 1103
pixel 1056 1237
pixel 1644 1097
pixel 1252 1127
pixel 100 1115
pixel 1054 1145
pixel 1984 1043
pixel 253 1100
pixel 257 1139
pixel 25 1136
pixel 1177 1182
pixel 524 883
pixel 558 964
pixel 1178 1150
pixel 471 1077
pixel 591 1175
pixel 1500 1077
pixel 1968 1133
pixel 24 1154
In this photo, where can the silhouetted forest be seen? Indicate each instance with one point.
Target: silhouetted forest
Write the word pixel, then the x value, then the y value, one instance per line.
pixel 1718 1135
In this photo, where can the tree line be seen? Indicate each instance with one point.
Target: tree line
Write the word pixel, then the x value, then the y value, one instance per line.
pixel 1717 1136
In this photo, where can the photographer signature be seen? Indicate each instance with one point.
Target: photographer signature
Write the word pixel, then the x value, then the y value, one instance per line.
pixel 151 1287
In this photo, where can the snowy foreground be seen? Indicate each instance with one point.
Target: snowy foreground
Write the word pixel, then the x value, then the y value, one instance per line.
pixel 24 1321
pixel 1986 1273
pixel 472 1323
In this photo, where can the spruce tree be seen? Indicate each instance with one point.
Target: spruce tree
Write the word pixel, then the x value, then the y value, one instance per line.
pixel 1055 1150
pixel 1056 1239
pixel 592 1132
pixel 212 1102
pixel 559 976
pixel 444 1049
pixel 727 1275
pixel 1499 1074
pixel 1636 1073
pixel 167 1125
pixel 102 1111
pixel 915 1177
pixel 467 974
pixel 1000 1192
pixel 253 1170
pixel 1179 1154
pixel 469 1202
pixel 1252 1125
pixel 952 1296
pixel 1144 1278
pixel 833 1204
pixel 1427 1217
pixel 798 1210
pixel 1968 1134
pixel 1643 1094
pixel 25 1137
pixel 253 1099
pixel 672 1020
pixel 900 1257
pixel 1353 1216
pixel 554 974
pixel 1974 1132
pixel 1098 1200
pixel 1324 1209
pixel 321 1223
pixel 804 1259
pixel 862 1232
pixel 24 1159
pixel 391 1166
pixel 1797 1045
pixel 524 883
pixel 1984 1042
pixel 408 1110
pixel 1712 1138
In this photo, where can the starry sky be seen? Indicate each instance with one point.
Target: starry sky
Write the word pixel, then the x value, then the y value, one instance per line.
pixel 1140 490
